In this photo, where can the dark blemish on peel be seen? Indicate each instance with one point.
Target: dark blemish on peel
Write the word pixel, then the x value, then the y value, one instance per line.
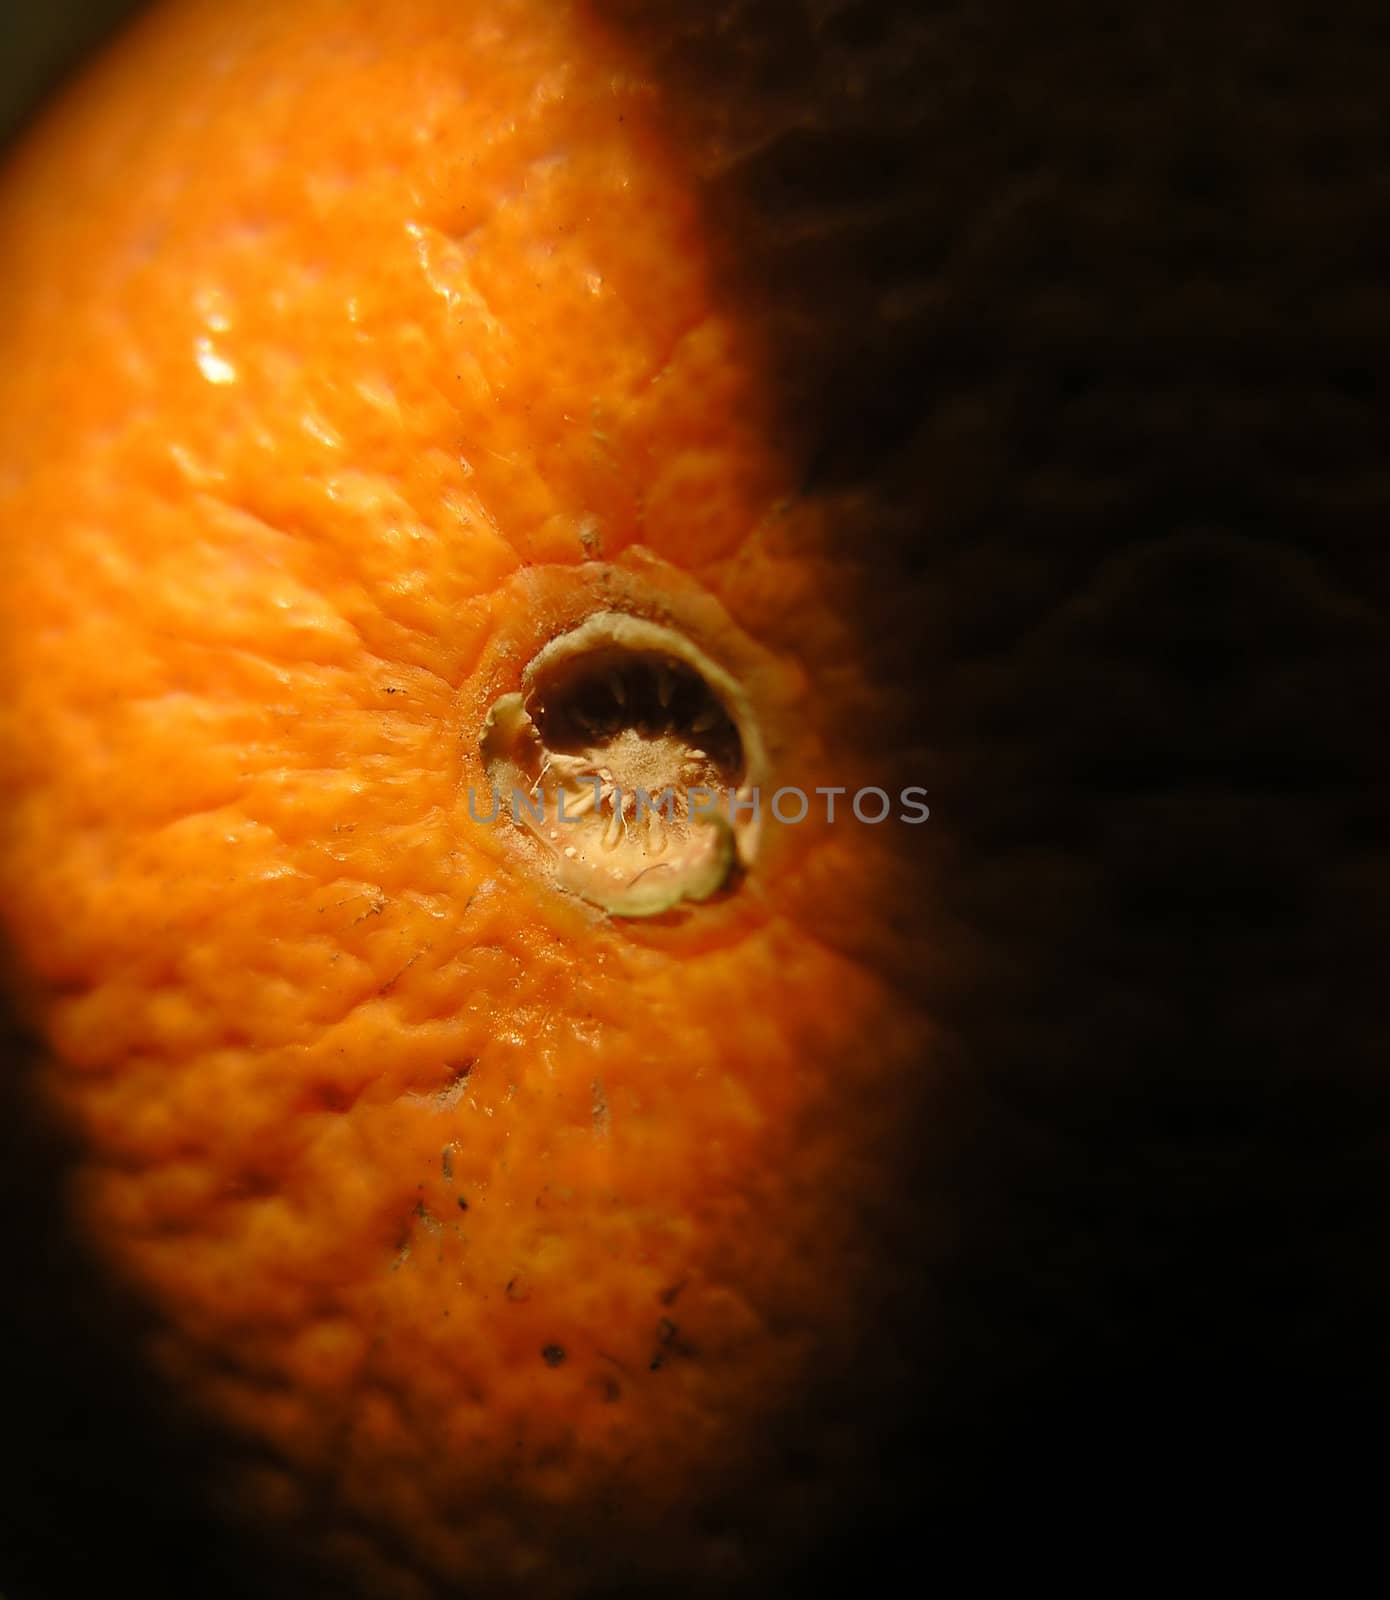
pixel 669 1343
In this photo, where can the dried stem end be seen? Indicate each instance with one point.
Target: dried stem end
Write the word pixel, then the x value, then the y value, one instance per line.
pixel 621 755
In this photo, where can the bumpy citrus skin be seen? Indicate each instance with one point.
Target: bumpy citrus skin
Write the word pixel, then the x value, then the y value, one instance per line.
pixel 351 352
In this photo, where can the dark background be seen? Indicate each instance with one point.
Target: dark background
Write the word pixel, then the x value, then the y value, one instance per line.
pixel 1146 389
pixel 39 43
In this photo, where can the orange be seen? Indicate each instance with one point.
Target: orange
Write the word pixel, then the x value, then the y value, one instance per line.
pixel 512 1241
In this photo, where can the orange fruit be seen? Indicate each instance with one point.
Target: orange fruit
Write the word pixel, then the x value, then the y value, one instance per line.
pixel 383 421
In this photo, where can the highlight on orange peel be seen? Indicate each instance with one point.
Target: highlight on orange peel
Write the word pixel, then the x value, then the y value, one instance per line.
pixel 524 1208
